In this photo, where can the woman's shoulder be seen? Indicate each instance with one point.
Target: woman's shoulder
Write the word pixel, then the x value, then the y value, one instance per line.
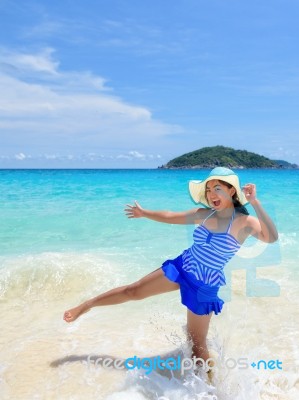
pixel 202 214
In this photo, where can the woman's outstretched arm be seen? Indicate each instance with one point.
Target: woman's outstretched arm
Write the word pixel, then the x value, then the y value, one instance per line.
pixel 168 217
pixel 262 227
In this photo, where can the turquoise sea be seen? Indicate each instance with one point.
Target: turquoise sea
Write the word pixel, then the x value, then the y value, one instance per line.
pixel 64 237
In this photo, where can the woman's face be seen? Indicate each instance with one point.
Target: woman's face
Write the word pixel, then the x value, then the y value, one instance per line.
pixel 219 196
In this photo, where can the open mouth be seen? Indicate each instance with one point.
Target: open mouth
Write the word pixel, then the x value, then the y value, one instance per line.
pixel 216 203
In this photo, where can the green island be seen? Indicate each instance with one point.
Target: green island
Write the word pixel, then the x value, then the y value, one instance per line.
pixel 211 157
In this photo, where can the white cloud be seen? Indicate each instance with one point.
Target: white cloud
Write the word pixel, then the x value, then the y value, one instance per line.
pixel 66 111
pixel 20 156
pixel 130 156
pixel 40 62
pixel 124 157
pixel 46 29
pixel 136 154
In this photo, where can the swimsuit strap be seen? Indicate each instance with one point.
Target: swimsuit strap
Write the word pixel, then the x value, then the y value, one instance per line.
pixel 231 221
pixel 208 217
pixel 229 225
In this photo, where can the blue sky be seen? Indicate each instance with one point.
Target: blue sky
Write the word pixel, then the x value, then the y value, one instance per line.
pixel 133 84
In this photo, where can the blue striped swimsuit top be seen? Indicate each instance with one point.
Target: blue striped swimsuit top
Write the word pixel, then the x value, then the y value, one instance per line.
pixel 210 252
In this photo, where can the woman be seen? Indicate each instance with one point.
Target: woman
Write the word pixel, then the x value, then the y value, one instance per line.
pixel 223 225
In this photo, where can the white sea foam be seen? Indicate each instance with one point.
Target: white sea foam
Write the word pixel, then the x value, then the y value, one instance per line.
pixel 52 275
pixel 42 357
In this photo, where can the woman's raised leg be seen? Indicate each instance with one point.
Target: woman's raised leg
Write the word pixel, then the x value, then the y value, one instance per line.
pixel 150 285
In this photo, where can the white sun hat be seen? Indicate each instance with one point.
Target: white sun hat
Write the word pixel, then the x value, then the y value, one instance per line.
pixel 197 189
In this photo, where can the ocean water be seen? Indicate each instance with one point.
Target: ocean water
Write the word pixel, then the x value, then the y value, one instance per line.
pixel 64 238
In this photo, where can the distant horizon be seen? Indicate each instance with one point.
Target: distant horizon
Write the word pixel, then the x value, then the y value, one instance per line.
pixel 141 169
pixel 160 166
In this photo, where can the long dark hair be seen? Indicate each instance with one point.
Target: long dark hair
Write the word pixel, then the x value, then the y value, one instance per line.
pixel 238 206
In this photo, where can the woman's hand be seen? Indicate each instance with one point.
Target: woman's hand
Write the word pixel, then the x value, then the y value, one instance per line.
pixel 135 211
pixel 250 192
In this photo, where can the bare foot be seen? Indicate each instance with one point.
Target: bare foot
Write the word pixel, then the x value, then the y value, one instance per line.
pixel 210 375
pixel 74 313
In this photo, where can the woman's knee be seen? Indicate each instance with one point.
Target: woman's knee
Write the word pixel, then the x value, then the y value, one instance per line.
pixel 133 291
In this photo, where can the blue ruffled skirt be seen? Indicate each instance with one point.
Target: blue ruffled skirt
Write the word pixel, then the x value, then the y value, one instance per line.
pixel 198 297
